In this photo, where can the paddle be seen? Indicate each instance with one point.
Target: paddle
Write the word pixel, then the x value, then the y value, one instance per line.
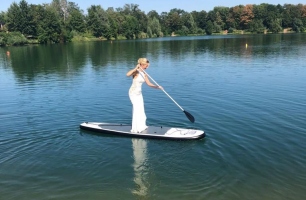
pixel 188 115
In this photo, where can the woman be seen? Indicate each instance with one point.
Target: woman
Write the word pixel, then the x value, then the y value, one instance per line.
pixel 135 94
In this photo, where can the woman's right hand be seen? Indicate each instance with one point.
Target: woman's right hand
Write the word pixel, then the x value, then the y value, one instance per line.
pixel 133 71
pixel 137 67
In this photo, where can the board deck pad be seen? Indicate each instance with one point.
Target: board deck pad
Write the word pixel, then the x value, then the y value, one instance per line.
pixel 150 132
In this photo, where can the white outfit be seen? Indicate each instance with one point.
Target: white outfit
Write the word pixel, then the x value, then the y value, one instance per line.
pixel 135 94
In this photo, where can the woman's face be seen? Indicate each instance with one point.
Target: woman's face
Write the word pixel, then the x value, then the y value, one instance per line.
pixel 144 66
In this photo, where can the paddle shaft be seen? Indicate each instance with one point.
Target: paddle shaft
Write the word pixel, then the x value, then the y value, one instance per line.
pixel 163 90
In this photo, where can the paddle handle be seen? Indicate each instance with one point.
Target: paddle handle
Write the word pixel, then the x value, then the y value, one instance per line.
pixel 163 90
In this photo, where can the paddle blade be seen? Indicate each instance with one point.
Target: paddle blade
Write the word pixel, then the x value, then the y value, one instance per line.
pixel 189 116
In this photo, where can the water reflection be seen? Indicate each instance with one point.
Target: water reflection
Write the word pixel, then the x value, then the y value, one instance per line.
pixel 140 167
pixel 30 61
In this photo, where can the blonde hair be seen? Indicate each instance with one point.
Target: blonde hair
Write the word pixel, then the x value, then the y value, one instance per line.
pixel 143 61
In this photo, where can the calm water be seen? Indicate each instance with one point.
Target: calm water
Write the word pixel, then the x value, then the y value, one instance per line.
pixel 247 92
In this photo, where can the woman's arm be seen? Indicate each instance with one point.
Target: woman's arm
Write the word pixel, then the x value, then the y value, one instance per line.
pixel 132 71
pixel 150 84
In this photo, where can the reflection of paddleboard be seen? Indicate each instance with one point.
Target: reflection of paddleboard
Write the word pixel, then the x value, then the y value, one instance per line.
pixel 151 132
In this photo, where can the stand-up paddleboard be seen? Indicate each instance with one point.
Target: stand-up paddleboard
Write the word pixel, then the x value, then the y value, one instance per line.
pixel 151 132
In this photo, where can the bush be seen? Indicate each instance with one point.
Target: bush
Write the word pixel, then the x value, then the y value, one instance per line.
pixel 12 38
pixel 183 31
pixel 142 35
pixel 231 30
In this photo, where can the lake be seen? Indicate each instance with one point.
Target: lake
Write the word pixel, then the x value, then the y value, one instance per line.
pixel 247 92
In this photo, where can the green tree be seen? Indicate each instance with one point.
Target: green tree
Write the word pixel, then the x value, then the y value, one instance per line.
pixel 98 21
pixel 113 29
pixel 49 28
pixel 256 26
pixel 275 25
pixel 273 19
pixel 209 28
pixel 164 23
pixel 154 28
pixel 222 14
pixel 21 18
pixel 200 18
pixel 189 23
pixel 297 25
pixel 14 21
pixel 27 27
pixel 130 27
pixel 76 21
pixel 153 14
pixel 3 19
pixel 173 20
pixel 116 22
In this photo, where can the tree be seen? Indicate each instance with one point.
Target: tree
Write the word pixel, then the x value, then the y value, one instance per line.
pixel 275 26
pixel 188 22
pixel 173 21
pixel 76 21
pixel 222 14
pixel 234 19
pixel 98 21
pixel 49 28
pixel 209 28
pixel 115 21
pixel 113 28
pixel 153 14
pixel 3 19
pixel 164 23
pixel 130 27
pixel 154 28
pixel 140 16
pixel 14 21
pixel 256 26
pixel 273 19
pixel 61 7
pixel 297 25
pixel 246 16
pixel 200 18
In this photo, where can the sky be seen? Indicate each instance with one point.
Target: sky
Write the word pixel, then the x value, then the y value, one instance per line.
pixel 158 5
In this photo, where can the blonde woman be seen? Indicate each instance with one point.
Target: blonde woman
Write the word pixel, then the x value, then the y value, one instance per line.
pixel 135 94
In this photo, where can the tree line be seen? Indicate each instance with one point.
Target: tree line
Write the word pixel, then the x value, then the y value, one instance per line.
pixel 62 21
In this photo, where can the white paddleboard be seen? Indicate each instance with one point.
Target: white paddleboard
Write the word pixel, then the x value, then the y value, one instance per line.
pixel 151 132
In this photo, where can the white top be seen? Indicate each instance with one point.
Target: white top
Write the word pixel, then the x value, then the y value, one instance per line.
pixel 135 88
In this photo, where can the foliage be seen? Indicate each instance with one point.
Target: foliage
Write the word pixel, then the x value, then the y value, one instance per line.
pixel 297 25
pixel 256 26
pixel 49 27
pixel 98 21
pixel 130 28
pixel 154 27
pixel 13 38
pixel 61 21
pixel 275 25
pixel 209 28
pixel 76 21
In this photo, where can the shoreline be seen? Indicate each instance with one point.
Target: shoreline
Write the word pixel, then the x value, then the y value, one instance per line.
pixel 91 39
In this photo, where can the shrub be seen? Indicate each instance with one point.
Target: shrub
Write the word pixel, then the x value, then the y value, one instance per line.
pixel 12 38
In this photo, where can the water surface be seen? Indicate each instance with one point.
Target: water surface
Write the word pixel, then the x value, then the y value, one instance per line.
pixel 246 92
